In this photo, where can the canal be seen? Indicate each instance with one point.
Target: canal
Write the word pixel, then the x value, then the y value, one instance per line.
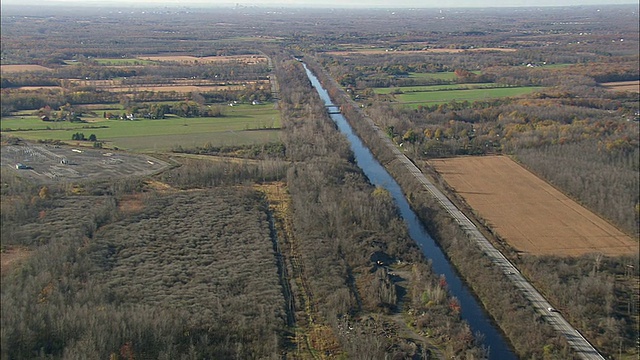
pixel 471 311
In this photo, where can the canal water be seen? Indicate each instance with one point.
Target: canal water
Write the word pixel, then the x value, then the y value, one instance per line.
pixel 471 311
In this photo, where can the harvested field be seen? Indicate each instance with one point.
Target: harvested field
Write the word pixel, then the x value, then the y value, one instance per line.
pixel 247 59
pixel 176 88
pixel 177 85
pixel 531 215
pixel 172 82
pixel 425 51
pixel 633 86
pixel 22 68
pixel 35 88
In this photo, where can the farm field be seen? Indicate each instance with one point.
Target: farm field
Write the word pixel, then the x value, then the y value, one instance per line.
pixel 169 88
pixel 22 68
pixel 438 97
pixel 122 62
pixel 120 83
pixel 177 85
pixel 36 88
pixel 241 125
pixel 633 86
pixel 531 215
pixel 246 59
pixel 424 51
pixel 430 88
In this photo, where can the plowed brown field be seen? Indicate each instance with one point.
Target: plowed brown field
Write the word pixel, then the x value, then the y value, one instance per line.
pixel 623 86
pixel 22 68
pixel 531 215
pixel 425 51
pixel 247 59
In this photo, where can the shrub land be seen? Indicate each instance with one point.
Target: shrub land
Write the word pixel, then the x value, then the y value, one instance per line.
pixel 165 280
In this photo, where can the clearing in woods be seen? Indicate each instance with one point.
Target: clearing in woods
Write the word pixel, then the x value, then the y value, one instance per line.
pixel 530 214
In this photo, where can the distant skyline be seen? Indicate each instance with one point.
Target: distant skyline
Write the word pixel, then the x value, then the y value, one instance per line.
pixel 325 3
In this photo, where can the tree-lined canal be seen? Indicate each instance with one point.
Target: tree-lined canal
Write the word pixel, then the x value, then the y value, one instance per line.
pixel 471 311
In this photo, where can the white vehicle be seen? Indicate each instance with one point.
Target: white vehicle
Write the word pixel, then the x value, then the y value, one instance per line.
pixel 552 309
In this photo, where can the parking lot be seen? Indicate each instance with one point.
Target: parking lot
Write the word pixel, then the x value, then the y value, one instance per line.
pixel 43 163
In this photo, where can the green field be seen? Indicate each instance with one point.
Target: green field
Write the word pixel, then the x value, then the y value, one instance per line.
pixel 123 62
pixel 440 97
pixel 429 88
pixel 241 125
pixel 555 66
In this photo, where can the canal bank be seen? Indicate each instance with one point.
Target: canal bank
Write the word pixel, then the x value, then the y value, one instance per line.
pixel 472 311
pixel 530 332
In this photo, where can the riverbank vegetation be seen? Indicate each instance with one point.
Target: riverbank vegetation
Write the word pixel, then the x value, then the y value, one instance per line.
pixel 507 307
pixel 348 236
pixel 614 320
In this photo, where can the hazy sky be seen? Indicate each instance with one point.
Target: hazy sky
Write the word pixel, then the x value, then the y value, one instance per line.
pixel 329 3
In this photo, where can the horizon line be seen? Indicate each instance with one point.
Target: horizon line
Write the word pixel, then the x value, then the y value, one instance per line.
pixel 231 4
